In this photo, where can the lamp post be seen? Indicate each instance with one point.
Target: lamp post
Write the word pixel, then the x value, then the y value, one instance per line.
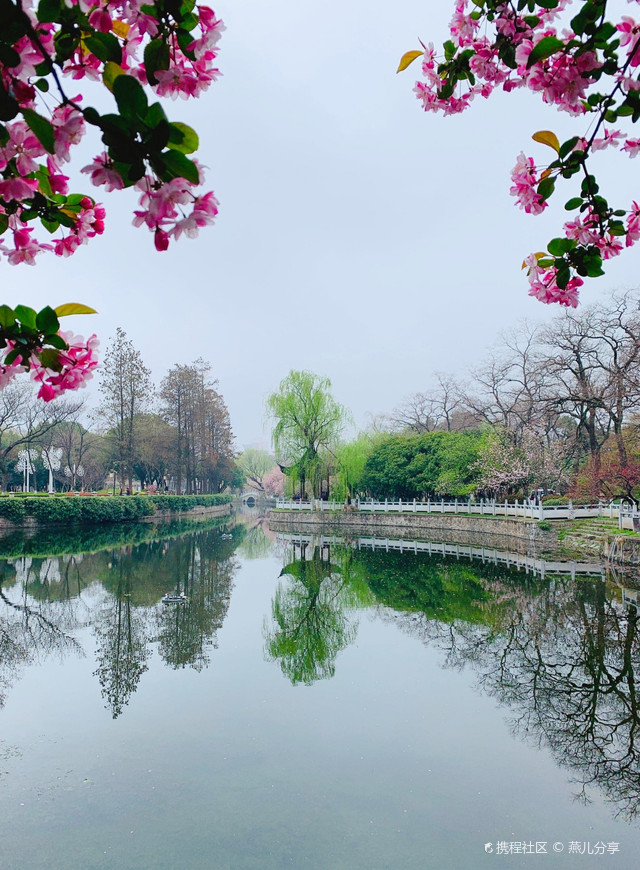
pixel 51 457
pixel 25 465
pixel 74 471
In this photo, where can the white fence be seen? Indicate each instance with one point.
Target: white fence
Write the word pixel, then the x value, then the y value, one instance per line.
pixel 528 564
pixel 525 509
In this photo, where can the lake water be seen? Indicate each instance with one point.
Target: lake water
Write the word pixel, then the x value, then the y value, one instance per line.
pixel 312 706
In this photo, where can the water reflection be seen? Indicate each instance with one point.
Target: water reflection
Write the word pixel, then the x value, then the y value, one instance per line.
pixel 561 655
pixel 117 591
pixel 314 614
pixel 31 630
pixel 560 652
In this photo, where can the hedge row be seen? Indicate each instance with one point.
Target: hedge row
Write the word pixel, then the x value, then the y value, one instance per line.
pixel 187 502
pixel 100 509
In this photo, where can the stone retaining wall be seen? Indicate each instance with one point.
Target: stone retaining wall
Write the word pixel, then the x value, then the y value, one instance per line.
pixel 526 534
pixel 622 550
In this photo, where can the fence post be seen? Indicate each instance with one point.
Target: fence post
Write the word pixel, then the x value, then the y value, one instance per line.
pixel 414 505
pixel 482 507
pixel 385 505
pixel 541 510
pixel 441 505
pixel 515 505
pixel 456 507
pixel 493 505
pixel 429 505
pixel 399 505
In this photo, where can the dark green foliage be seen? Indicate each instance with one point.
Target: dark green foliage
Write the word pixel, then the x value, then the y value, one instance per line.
pixel 12 509
pixel 99 509
pixel 435 464
pixel 187 502
pixel 440 586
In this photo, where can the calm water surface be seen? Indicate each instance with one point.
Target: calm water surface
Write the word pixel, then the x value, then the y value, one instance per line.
pixel 319 707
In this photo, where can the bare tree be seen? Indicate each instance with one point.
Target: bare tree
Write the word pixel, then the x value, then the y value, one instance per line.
pixel 25 420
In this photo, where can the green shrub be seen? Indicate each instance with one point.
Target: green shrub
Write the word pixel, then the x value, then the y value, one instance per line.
pixel 544 526
pixel 99 509
pixel 12 508
pixel 555 500
pixel 187 502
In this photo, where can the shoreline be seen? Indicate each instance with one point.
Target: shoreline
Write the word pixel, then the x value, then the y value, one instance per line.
pixel 524 535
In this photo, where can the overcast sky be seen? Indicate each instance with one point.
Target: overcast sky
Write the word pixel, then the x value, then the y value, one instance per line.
pixel 358 237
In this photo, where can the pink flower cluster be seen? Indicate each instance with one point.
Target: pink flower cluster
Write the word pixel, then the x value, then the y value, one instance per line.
pixel 525 182
pixel 172 209
pixel 561 78
pixel 26 169
pixel 563 70
pixel 77 365
pixel 543 286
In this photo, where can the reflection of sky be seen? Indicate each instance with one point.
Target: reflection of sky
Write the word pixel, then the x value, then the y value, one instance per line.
pixel 358 237
pixel 394 762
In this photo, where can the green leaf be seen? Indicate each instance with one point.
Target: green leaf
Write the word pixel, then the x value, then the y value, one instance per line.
pixel 104 46
pixel 7 316
pixel 559 247
pixel 55 341
pixel 110 74
pixel 182 138
pixel 4 223
pixel 50 359
pixel 154 115
pixel 546 187
pixel 42 128
pixel 26 316
pixel 574 202
pixel 130 97
pixel 8 55
pixel 547 4
pixel 42 85
pixel 568 146
pixel 92 116
pixel 49 10
pixel 47 320
pixel 547 46
pixel 156 57
pixel 179 166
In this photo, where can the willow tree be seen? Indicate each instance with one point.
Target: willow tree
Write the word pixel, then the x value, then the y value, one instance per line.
pixel 308 423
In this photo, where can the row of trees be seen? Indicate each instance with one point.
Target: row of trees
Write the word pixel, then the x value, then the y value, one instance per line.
pixel 178 436
pixel 552 407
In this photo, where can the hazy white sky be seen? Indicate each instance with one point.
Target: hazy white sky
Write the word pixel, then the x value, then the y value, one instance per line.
pixel 358 237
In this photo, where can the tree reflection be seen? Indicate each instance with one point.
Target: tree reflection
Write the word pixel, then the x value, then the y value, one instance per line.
pixel 565 664
pixel 314 615
pixel 257 543
pixel 29 630
pixel 203 570
pixel 122 636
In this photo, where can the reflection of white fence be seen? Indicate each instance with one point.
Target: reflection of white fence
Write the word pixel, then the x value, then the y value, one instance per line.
pixel 528 564
pixel 524 509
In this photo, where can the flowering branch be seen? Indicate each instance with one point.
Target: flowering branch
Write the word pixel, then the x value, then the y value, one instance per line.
pixel 589 68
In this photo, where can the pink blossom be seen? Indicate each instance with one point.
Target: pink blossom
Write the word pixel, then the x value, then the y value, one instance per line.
pixel 78 363
pixel 101 171
pixel 101 20
pixel 610 138
pixel 68 128
pixel 524 185
pixel 632 147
